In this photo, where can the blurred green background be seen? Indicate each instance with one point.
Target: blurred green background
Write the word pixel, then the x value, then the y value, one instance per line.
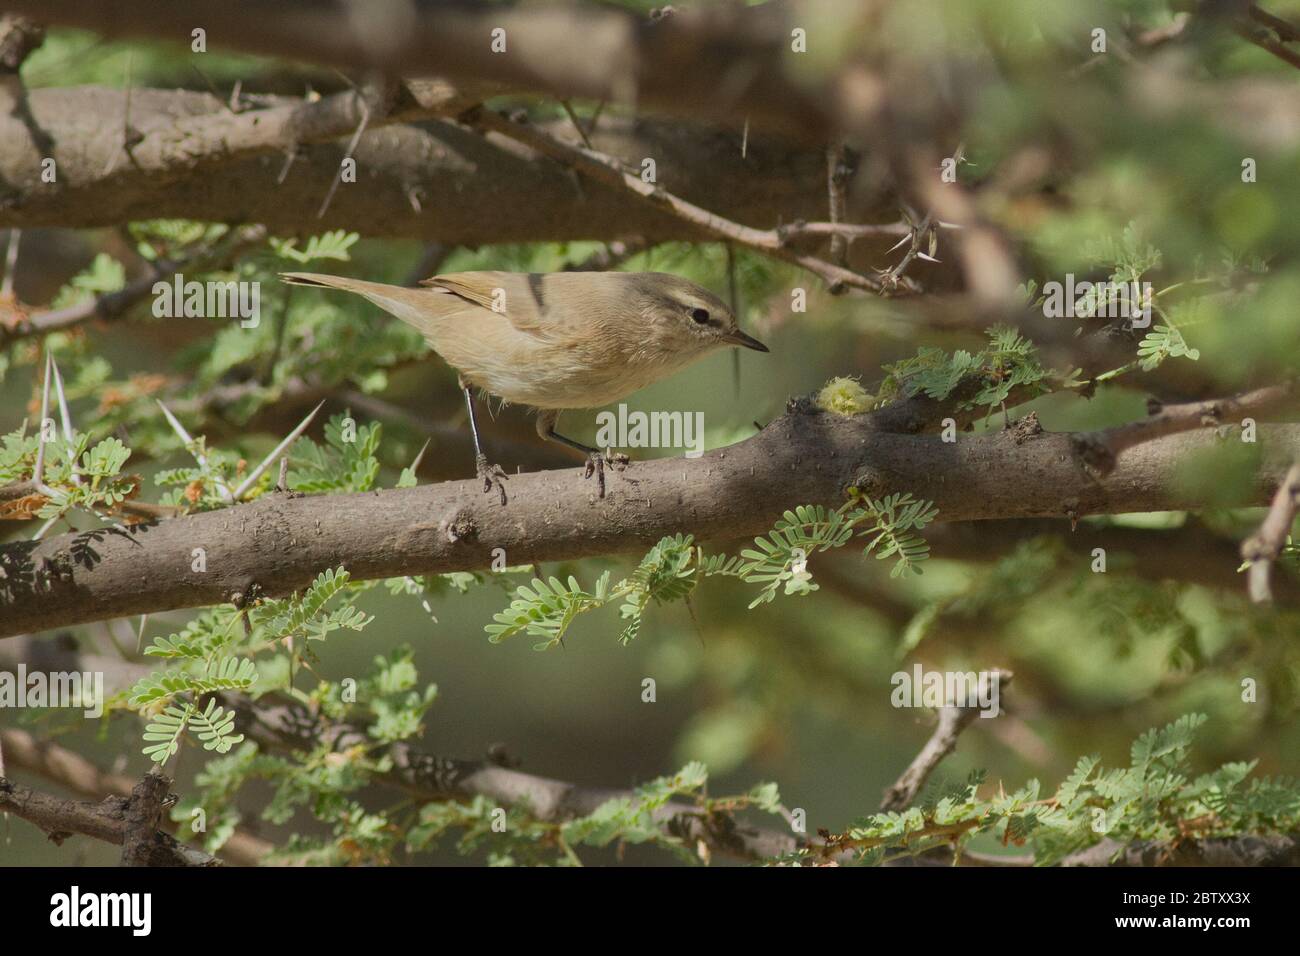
pixel 798 691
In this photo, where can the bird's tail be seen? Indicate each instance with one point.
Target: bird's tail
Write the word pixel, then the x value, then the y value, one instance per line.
pixel 412 306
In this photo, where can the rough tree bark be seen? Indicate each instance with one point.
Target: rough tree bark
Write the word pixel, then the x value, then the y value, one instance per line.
pixel 110 820
pixel 724 64
pixel 277 544
pixel 433 181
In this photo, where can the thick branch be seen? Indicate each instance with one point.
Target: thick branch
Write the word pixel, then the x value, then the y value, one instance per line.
pixel 73 771
pixel 215 168
pixel 277 544
pixel 723 63
pixel 107 821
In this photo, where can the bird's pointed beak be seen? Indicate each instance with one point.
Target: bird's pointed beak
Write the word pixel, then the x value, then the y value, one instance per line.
pixel 737 337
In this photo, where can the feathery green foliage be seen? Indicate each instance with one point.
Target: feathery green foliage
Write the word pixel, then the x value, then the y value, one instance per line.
pixel 1155 799
pixel 671 570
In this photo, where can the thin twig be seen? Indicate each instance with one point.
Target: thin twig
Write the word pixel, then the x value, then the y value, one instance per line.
pixel 1262 548
pixel 851 231
pixel 114 305
pixel 347 155
pixel 1284 29
pixel 11 260
pixel 919 234
pixel 733 300
pixel 577 123
pixel 953 719
pixel 431 260
pixel 1099 450
pixel 1274 42
pixel 610 171
pixel 837 175
pixel 1163 34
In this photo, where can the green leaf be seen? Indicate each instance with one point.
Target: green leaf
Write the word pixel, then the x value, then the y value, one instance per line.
pixel 166 729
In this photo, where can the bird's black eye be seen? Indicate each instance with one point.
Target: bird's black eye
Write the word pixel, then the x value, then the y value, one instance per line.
pixel 700 315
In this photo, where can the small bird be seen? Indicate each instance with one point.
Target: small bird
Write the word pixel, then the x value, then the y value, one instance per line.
pixel 555 341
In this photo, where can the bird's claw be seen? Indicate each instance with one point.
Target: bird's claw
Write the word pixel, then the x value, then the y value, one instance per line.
pixel 596 464
pixel 492 476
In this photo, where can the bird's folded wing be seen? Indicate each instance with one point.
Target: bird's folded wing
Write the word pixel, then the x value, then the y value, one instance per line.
pixel 505 293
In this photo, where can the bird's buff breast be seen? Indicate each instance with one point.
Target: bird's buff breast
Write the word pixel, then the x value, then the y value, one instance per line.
pixel 550 376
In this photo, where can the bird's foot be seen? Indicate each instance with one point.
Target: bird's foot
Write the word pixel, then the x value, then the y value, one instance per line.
pixel 492 476
pixel 598 462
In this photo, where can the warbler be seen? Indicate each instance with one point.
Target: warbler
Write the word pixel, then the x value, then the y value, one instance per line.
pixel 555 341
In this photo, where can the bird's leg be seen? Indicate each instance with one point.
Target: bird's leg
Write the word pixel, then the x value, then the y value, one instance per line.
pixel 597 460
pixel 492 475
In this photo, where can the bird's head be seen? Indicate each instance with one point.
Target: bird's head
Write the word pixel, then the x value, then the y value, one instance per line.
pixel 686 320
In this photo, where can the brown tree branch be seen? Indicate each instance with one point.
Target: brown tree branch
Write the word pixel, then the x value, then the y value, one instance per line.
pixel 1283 28
pixel 482 192
pixel 175 133
pixel 109 820
pixel 18 38
pixel 610 171
pixel 114 305
pixel 721 63
pixel 839 170
pixel 1100 449
pixel 277 544
pixel 953 719
pixel 1267 42
pixel 143 813
pixel 1261 549
pixel 62 766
